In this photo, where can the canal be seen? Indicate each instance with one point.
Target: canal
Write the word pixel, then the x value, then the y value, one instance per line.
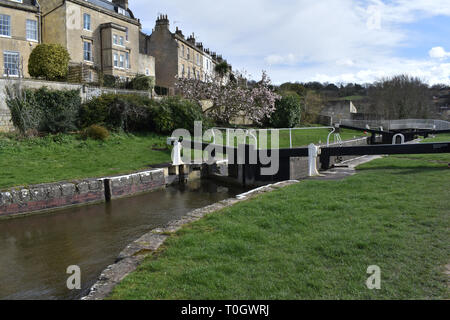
pixel 35 251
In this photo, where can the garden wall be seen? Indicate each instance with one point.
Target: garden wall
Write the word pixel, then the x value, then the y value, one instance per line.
pixel 86 93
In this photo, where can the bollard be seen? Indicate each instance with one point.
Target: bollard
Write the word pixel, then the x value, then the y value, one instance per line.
pixel 176 152
pixel 313 152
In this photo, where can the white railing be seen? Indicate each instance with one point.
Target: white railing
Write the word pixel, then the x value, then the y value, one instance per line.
pixel 421 124
pixel 253 133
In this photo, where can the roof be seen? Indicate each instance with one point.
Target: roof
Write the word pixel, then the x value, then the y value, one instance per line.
pixel 26 4
pixel 109 6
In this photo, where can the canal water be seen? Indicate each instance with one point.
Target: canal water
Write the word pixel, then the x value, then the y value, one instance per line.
pixel 35 251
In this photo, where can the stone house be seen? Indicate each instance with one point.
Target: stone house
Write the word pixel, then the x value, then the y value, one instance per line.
pixel 177 56
pixel 19 35
pixel 101 37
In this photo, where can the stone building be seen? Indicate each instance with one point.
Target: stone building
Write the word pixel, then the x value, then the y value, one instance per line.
pixel 100 36
pixel 177 56
pixel 19 35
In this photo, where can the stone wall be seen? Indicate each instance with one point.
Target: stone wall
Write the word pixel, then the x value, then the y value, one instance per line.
pixel 86 93
pixel 122 186
pixel 50 196
pixel 43 197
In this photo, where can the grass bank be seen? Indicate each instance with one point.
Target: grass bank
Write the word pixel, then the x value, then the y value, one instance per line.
pixel 65 157
pixel 314 240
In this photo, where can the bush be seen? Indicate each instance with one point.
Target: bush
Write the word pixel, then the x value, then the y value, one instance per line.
pixel 95 132
pixel 49 61
pixel 52 111
pixel 288 111
pixel 142 82
pixel 117 112
pixel 175 113
pixel 24 114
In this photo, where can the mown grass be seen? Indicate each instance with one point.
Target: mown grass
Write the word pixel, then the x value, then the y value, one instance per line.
pixel 314 240
pixel 66 157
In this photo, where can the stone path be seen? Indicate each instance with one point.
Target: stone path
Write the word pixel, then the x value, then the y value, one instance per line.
pixel 344 169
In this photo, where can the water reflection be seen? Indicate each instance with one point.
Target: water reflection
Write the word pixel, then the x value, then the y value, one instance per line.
pixel 35 251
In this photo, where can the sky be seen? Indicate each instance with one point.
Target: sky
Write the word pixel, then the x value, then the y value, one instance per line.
pixel 335 41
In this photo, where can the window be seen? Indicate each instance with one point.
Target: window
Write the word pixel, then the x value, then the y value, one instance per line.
pixel 116 60
pixel 5 25
pixel 121 41
pixel 121 11
pixel 32 30
pixel 11 63
pixel 115 38
pixel 126 34
pixel 198 59
pixel 182 51
pixel 189 72
pixel 147 72
pixel 127 60
pixel 182 70
pixel 87 51
pixel 121 61
pixel 87 21
pixel 188 53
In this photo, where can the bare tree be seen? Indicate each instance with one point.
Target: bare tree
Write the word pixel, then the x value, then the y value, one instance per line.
pixel 400 97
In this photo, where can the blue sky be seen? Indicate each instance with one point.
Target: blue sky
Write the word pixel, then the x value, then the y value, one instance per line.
pixel 317 40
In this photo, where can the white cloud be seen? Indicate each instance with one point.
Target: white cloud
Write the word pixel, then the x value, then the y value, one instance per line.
pixel 274 59
pixel 438 53
pixel 303 40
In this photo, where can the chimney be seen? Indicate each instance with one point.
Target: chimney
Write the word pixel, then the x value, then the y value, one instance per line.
pixel 121 3
pixel 162 22
pixel 191 39
pixel 199 45
pixel 179 33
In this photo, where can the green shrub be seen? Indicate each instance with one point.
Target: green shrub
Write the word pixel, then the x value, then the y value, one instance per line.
pixel 44 110
pixel 142 82
pixel 25 115
pixel 49 61
pixel 288 111
pixel 59 109
pixel 175 113
pixel 95 132
pixel 117 112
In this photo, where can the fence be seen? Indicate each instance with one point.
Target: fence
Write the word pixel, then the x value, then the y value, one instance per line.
pixel 287 137
pixel 388 125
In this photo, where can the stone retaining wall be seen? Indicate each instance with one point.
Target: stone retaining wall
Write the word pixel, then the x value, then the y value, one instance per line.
pixel 86 93
pixel 43 197
pixel 122 186
pixel 50 196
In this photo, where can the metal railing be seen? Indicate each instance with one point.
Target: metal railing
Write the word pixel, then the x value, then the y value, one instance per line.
pixel 253 134
pixel 388 125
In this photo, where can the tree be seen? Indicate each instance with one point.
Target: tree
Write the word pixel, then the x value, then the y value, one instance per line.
pixel 231 100
pixel 222 69
pixel 400 97
pixel 288 111
pixel 49 61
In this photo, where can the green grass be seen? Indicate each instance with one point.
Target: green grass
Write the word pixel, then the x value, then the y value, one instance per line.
pixel 65 157
pixel 314 240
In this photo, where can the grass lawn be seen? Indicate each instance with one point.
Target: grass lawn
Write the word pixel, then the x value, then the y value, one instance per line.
pixel 314 240
pixel 65 157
